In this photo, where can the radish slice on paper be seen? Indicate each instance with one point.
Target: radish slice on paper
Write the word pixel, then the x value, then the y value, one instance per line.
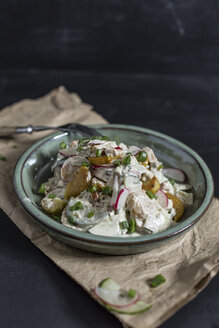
pixel 162 198
pixel 136 308
pixel 121 198
pixel 115 190
pixel 116 298
pixel 175 174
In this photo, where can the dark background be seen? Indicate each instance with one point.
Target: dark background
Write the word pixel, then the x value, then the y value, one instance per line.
pixel 148 63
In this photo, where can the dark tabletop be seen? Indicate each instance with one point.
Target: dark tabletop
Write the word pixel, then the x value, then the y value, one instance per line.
pixel 147 63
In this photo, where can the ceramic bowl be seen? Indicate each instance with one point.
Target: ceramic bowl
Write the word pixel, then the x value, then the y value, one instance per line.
pixel 34 168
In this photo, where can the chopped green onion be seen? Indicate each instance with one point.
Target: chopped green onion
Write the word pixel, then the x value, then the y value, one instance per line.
pixel 42 189
pixel 90 214
pixel 107 190
pixel 52 196
pixel 142 156
pixel 62 145
pixel 92 189
pixel 14 146
pixel 117 163
pixel 2 158
pixel 132 293
pixel 82 142
pixel 85 164
pixel 172 181
pixel 76 206
pixel 160 167
pixel 150 194
pixel 56 218
pixel 98 152
pixel 71 220
pixel 124 224
pixel 157 280
pixel 126 160
pixel 132 226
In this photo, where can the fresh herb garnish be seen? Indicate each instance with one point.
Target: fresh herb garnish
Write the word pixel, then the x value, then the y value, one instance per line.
pixel 92 189
pixel 142 156
pixel 150 194
pixel 52 196
pixel 14 146
pixel 117 163
pixel 107 190
pixel 160 167
pixel 172 181
pixel 90 214
pixel 132 226
pixel 98 152
pixel 157 281
pixel 42 189
pixel 2 158
pixel 62 145
pixel 132 293
pixel 71 220
pixel 76 206
pixel 56 218
pixel 82 142
pixel 126 160
pixel 85 164
pixel 124 224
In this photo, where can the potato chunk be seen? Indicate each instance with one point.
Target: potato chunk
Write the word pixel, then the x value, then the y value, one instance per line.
pixel 177 205
pixel 53 206
pixel 153 185
pixel 79 183
pixel 102 159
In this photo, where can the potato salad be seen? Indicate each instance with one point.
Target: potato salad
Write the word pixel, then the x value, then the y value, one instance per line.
pixel 111 189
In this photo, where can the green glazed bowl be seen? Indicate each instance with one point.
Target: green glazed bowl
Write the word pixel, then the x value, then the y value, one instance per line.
pixel 34 168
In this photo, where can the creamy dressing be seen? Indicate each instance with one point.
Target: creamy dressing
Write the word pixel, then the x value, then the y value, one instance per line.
pixel 115 198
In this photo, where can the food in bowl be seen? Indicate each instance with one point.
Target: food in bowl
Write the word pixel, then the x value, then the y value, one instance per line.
pixel 111 189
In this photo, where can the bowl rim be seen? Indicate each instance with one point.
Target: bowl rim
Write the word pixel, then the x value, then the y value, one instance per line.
pixel 56 227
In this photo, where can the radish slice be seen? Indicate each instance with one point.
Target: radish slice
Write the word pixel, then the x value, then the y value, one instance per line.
pixel 136 308
pixel 121 199
pixel 116 298
pixel 175 174
pixel 162 198
pixel 109 284
pixel 70 167
pixel 107 166
pixel 118 148
pixel 115 190
pixel 68 152
pixel 134 150
pixel 96 142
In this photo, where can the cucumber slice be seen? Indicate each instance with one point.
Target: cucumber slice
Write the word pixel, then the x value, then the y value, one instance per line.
pixel 131 309
pixel 109 284
pixel 116 298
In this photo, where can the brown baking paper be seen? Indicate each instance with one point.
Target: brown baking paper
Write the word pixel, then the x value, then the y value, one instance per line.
pixel 188 263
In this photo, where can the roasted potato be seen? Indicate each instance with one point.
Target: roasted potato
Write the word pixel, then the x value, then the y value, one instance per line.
pixel 102 159
pixel 53 206
pixel 79 183
pixel 178 205
pixel 153 185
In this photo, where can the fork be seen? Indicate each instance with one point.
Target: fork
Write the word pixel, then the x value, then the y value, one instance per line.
pixel 10 130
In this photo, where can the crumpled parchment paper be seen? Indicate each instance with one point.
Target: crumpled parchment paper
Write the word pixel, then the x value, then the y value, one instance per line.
pixel 188 263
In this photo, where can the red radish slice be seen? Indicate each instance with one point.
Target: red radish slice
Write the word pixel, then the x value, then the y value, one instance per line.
pixel 136 308
pixel 70 167
pixel 162 198
pixel 134 150
pixel 115 190
pixel 121 199
pixel 116 298
pixel 118 148
pixel 175 174
pixel 68 152
pixel 107 166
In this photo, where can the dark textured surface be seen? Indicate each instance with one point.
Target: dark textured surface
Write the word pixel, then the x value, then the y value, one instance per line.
pixel 148 63
pixel 34 292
